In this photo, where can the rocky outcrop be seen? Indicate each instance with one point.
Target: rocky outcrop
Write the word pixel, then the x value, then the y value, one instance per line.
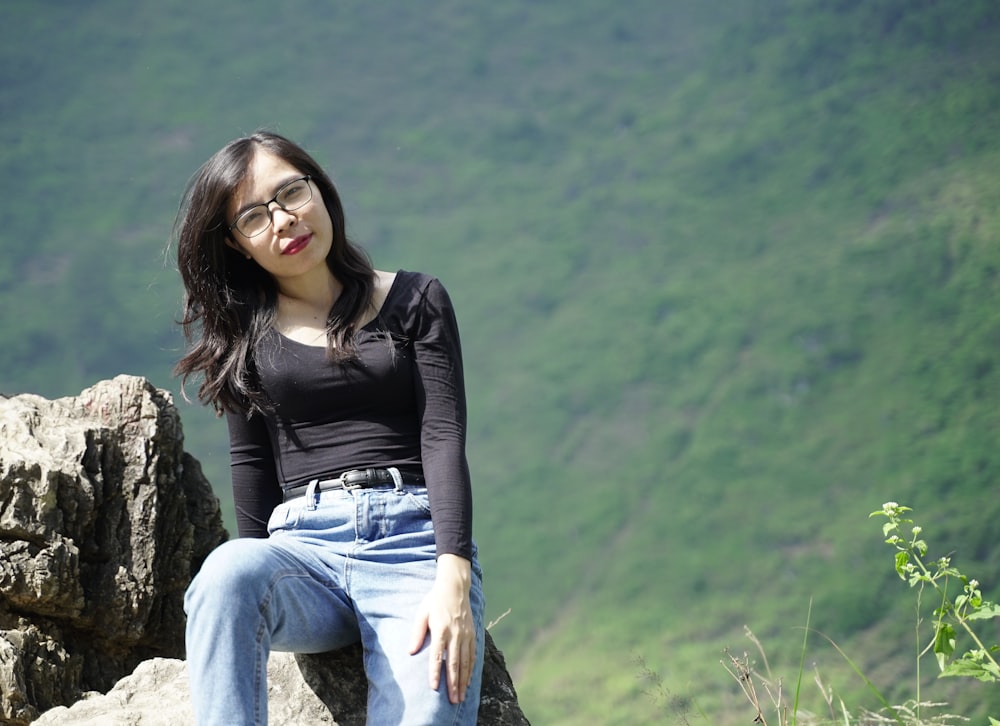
pixel 302 690
pixel 338 680
pixel 103 521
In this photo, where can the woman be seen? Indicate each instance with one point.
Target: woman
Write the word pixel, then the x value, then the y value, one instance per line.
pixel 343 390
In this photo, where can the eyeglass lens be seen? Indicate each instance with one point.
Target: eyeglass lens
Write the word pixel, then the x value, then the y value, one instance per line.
pixel 290 197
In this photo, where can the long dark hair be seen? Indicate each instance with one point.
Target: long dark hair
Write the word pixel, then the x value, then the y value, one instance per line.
pixel 230 302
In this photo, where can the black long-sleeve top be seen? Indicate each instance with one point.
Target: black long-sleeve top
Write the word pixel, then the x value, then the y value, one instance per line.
pixel 401 403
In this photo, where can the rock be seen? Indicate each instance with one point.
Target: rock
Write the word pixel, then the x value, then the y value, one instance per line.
pixel 156 694
pixel 103 520
pixel 307 690
pixel 338 679
pixel 136 699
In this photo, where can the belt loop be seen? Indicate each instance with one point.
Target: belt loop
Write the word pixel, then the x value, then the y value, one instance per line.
pixel 312 495
pixel 397 479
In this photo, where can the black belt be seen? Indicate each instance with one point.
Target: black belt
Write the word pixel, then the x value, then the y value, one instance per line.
pixel 354 479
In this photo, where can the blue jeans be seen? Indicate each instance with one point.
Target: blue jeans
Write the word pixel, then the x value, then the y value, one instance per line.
pixel 339 567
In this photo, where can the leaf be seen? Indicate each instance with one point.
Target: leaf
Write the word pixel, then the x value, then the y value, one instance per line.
pixel 968 669
pixel 985 611
pixel 902 560
pixel 944 645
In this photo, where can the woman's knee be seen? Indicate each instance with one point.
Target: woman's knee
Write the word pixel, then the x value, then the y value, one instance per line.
pixel 231 569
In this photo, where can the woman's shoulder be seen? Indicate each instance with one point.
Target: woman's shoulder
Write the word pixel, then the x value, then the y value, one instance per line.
pixel 384 283
pixel 408 294
pixel 407 285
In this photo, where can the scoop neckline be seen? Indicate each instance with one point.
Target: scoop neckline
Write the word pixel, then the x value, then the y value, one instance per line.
pixel 363 328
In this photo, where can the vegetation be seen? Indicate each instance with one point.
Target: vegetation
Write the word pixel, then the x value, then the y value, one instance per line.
pixel 959 611
pixel 770 698
pixel 767 694
pixel 727 274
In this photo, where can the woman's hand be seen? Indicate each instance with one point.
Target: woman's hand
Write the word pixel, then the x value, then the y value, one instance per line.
pixel 447 614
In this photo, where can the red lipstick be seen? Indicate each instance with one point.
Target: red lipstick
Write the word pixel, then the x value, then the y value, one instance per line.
pixel 297 245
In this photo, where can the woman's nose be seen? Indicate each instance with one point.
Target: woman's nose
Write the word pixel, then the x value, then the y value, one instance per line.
pixel 281 218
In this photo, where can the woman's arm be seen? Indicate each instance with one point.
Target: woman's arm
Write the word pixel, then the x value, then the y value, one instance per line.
pixel 446 613
pixel 440 390
pixel 256 490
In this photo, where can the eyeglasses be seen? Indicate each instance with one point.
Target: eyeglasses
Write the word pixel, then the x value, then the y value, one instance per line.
pixel 293 195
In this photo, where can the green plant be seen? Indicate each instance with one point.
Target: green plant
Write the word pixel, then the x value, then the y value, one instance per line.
pixel 743 670
pixel 953 614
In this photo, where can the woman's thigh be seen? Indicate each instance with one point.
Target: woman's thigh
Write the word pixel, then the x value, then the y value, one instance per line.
pixel 279 591
pixel 392 574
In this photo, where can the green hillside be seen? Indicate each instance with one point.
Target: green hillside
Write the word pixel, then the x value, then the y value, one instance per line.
pixel 727 272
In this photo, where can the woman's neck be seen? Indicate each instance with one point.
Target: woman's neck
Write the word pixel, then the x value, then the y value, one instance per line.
pixel 303 309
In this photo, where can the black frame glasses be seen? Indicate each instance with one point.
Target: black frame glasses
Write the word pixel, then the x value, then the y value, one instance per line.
pixel 286 205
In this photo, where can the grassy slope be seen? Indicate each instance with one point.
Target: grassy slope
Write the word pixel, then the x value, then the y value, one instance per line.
pixel 726 274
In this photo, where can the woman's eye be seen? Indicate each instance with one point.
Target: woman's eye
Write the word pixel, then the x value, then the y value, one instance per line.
pixel 252 216
pixel 293 191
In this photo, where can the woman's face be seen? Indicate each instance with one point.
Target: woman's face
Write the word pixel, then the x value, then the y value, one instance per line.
pixel 294 246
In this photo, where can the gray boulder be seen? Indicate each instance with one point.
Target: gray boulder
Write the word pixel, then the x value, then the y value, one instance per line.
pixel 302 691
pixel 103 520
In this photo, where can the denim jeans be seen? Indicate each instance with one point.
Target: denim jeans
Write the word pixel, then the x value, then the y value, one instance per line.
pixel 339 567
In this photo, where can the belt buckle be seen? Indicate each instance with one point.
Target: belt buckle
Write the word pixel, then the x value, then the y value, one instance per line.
pixel 348 485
